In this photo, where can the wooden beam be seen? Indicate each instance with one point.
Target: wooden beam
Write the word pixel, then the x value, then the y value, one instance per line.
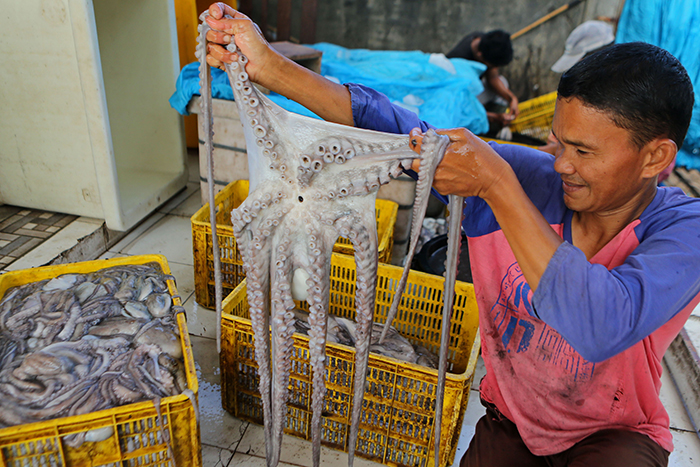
pixel 547 17
pixel 284 19
pixel 308 22
pixel 263 19
pixel 245 7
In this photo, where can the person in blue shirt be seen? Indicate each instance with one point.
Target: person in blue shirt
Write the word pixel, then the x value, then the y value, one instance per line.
pixel 494 50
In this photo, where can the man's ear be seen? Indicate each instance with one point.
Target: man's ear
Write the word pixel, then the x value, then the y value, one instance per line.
pixel 660 153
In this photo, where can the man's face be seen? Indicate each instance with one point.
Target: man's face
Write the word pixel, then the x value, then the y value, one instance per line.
pixel 599 166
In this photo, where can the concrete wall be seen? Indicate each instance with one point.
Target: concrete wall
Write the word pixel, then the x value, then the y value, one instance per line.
pixel 437 25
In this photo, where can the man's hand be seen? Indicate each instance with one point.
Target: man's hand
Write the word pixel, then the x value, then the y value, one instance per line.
pixel 470 166
pixel 502 119
pixel 514 111
pixel 228 24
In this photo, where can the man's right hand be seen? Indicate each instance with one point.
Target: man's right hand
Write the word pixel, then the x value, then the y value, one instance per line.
pixel 228 24
pixel 503 119
pixel 470 166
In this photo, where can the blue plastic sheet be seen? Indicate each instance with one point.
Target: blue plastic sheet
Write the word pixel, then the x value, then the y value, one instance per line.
pixel 441 91
pixel 673 25
pixel 187 85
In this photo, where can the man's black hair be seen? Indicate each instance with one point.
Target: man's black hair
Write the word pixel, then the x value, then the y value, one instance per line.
pixel 643 89
pixel 495 48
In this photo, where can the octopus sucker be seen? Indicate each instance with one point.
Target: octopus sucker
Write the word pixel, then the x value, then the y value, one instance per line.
pixel 322 184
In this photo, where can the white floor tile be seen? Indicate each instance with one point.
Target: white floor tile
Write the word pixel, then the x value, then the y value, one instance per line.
pixel 673 403
pixel 170 237
pixel 295 451
pixel 215 457
pixel 124 243
pixel 474 412
pixel 108 255
pixel 184 278
pixel 111 254
pixel 218 427
pixel 192 188
pixel 190 206
pixel 686 449
pixel 479 372
pixel 692 327
pixel 63 240
pixel 696 311
pixel 200 321
pixel 245 460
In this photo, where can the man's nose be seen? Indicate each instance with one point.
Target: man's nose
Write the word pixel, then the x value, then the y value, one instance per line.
pixel 562 162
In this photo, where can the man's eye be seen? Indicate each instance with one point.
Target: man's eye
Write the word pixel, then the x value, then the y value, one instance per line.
pixel 582 152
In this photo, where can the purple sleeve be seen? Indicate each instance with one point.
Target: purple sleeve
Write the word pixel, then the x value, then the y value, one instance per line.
pixel 603 312
pixel 373 110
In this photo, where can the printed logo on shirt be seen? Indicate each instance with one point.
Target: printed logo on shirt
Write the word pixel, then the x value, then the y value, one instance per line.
pixel 554 349
pixel 517 328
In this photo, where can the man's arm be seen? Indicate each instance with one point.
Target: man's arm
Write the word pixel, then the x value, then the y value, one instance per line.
pixel 600 312
pixel 471 167
pixel 603 312
pixel 328 100
pixel 493 79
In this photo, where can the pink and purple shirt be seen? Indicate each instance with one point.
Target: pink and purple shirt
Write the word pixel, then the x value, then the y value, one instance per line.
pixel 583 353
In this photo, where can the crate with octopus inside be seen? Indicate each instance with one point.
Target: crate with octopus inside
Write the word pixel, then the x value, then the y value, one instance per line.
pixel 398 414
pixel 96 366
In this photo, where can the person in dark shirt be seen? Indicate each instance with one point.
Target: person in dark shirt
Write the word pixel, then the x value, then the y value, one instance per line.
pixel 494 50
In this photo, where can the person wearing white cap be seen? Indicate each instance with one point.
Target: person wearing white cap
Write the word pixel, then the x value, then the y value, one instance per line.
pixel 586 38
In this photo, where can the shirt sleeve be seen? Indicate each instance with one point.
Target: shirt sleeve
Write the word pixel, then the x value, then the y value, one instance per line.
pixel 373 110
pixel 603 312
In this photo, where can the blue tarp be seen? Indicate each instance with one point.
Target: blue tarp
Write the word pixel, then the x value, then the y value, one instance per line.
pixel 441 91
pixel 673 25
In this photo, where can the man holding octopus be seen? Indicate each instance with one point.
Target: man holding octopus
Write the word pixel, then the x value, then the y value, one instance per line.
pixel 584 269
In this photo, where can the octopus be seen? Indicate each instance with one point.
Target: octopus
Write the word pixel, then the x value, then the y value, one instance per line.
pixel 312 181
pixel 79 343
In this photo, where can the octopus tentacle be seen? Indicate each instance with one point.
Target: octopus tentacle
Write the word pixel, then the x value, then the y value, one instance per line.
pixel 433 148
pixel 318 296
pixel 282 306
pixel 363 235
pixel 258 287
pixel 454 237
pixel 208 127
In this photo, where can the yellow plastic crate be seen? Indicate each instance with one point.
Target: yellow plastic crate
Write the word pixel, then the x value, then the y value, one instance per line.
pixel 399 405
pixel 536 115
pixel 232 272
pixel 136 434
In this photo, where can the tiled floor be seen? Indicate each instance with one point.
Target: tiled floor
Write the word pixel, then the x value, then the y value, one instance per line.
pixel 22 230
pixel 229 442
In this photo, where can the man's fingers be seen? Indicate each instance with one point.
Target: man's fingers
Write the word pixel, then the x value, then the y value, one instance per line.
pixel 415 165
pixel 232 26
pixel 220 24
pixel 455 134
pixel 214 62
pixel 218 37
pixel 416 139
pixel 219 9
pixel 219 53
